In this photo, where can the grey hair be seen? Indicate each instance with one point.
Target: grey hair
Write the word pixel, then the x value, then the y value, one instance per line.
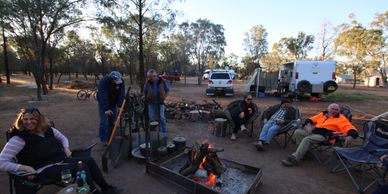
pixel 334 105
pixel 151 72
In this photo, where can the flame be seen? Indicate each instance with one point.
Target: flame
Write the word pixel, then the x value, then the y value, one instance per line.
pixel 212 180
pixel 203 161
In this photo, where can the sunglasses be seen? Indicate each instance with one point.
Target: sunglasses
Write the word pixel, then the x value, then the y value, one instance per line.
pixel 30 110
pixel 249 98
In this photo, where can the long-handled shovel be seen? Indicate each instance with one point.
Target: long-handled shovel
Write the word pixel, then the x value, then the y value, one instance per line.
pixel 104 158
pixel 119 146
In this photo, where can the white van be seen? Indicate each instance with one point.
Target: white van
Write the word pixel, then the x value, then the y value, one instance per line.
pixel 314 77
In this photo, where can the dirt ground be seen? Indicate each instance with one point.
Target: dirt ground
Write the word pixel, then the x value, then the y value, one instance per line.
pixel 78 120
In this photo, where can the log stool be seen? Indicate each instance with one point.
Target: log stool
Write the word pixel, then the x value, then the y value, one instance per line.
pixel 194 115
pixel 205 115
pixel 154 126
pixel 220 127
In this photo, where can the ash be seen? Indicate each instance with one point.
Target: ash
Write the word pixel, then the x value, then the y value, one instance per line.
pixel 233 180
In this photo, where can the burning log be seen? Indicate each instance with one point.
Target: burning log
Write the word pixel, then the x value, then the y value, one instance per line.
pixel 203 163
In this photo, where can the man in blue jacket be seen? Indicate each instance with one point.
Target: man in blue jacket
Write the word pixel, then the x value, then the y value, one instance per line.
pixel 155 92
pixel 110 95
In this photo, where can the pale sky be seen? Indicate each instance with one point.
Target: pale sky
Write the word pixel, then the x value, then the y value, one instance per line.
pixel 281 18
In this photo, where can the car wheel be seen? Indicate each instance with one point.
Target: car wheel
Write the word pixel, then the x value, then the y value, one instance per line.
pixel 304 86
pixel 330 86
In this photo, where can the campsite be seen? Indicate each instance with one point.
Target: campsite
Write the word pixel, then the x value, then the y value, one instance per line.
pixel 78 121
pixel 193 97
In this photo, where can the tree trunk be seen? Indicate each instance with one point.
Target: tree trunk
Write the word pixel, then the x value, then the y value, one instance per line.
pixel 69 70
pixel 5 52
pixel 141 77
pixel 199 73
pixel 38 79
pixel 59 78
pixel 76 71
pixel 43 68
pixel 51 70
pixel 354 79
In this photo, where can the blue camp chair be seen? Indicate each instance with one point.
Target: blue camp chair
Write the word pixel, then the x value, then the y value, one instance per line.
pixel 365 159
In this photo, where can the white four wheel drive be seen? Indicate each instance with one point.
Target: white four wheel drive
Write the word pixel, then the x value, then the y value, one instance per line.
pixel 313 77
pixel 220 83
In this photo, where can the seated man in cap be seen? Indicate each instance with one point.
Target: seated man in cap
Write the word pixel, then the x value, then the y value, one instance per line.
pixel 319 128
pixel 276 117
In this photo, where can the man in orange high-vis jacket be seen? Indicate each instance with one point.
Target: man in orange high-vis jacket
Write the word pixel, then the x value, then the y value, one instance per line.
pixel 320 128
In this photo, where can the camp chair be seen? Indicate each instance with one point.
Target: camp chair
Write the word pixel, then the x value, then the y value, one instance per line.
pixel 366 159
pixel 233 109
pixel 38 184
pixel 335 141
pixel 287 130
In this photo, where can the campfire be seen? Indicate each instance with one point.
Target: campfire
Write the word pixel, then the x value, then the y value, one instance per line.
pixel 203 165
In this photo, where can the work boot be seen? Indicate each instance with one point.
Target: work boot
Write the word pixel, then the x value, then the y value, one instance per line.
pixel 243 128
pixel 259 145
pixel 234 137
pixel 290 161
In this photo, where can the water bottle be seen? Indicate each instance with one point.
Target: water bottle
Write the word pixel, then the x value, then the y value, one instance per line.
pixel 81 179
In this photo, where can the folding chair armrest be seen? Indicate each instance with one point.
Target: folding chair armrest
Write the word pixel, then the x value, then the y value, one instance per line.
pixel 296 123
pixel 83 151
pixel 22 177
pixel 254 117
pixel 228 115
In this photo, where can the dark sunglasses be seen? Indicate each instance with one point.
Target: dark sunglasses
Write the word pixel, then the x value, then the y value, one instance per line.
pixel 30 110
pixel 249 98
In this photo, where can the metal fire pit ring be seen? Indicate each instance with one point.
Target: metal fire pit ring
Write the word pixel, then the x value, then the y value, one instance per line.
pixel 186 185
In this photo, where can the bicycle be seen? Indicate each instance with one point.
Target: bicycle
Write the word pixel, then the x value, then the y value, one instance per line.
pixel 83 94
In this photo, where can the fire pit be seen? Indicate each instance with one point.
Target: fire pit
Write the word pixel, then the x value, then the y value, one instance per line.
pixel 210 175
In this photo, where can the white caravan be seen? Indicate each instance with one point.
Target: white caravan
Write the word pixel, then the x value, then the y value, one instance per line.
pixel 314 77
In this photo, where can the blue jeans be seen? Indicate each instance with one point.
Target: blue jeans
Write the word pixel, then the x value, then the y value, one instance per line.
pixel 106 124
pixel 269 130
pixel 153 110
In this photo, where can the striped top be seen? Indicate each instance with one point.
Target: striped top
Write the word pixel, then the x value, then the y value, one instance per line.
pixel 15 145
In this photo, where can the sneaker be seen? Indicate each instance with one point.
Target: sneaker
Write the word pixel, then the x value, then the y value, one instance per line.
pixel 259 145
pixel 234 137
pixel 113 190
pixel 290 161
pixel 243 128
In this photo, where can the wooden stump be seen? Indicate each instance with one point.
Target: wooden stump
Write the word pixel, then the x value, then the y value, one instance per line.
pixel 220 127
pixel 205 115
pixel 194 115
pixel 154 126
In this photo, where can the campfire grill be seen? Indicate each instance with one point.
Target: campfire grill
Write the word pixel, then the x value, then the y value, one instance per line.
pixel 238 178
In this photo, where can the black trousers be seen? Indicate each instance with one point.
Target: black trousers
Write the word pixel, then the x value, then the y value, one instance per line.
pixel 53 174
pixel 239 121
